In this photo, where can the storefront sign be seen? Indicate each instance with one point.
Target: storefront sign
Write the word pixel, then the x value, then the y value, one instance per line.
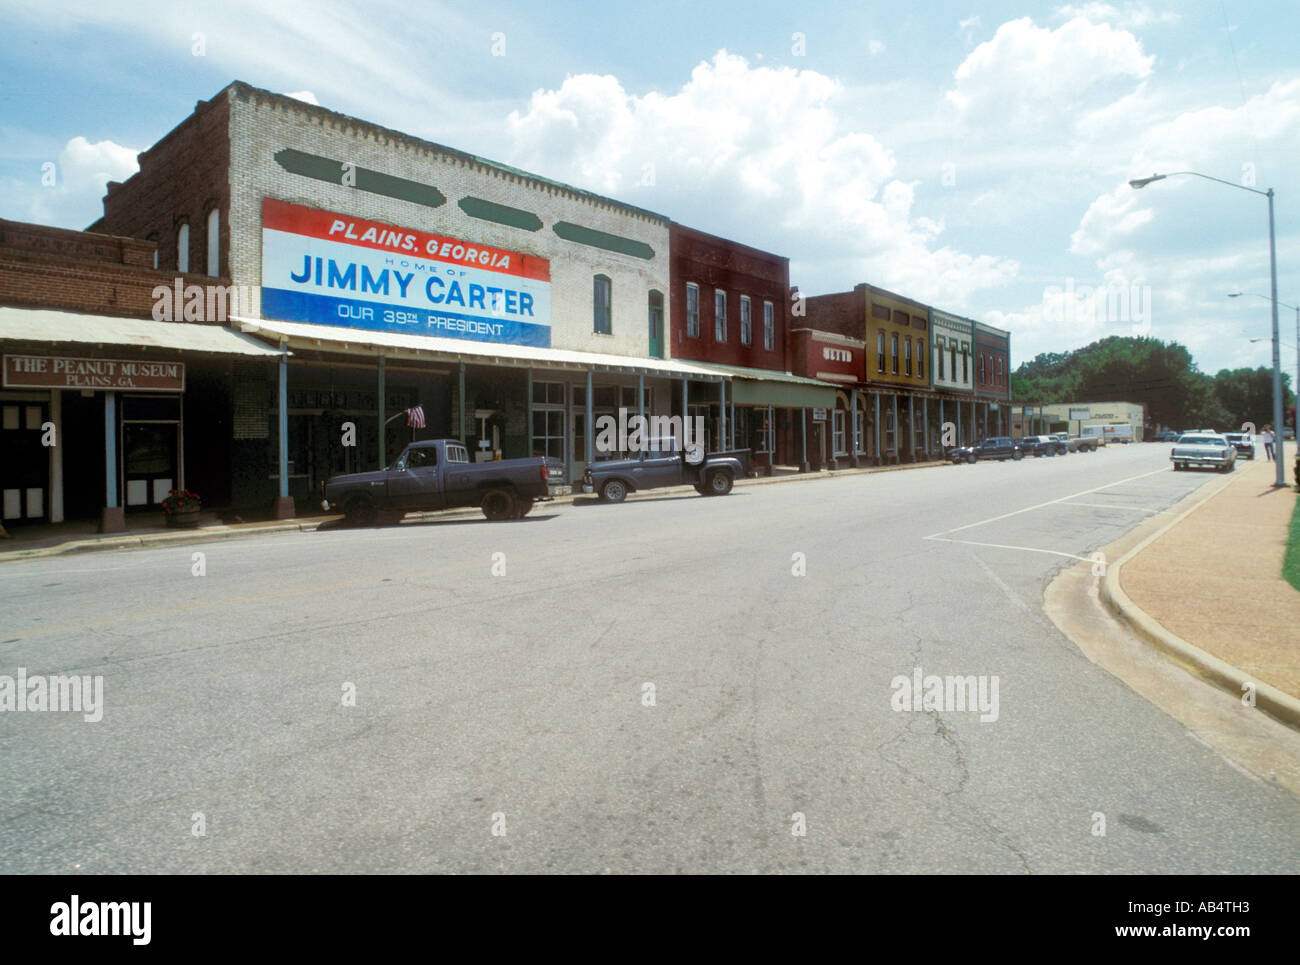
pixel 336 269
pixel 819 415
pixel 1078 414
pixel 60 372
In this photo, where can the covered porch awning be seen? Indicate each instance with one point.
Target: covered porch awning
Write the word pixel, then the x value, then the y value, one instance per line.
pixel 393 345
pixel 42 325
pixel 780 389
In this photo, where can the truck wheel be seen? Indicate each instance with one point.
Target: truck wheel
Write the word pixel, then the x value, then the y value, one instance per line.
pixel 1017 455
pixel 499 504
pixel 523 508
pixel 361 511
pixel 614 491
pixel 720 482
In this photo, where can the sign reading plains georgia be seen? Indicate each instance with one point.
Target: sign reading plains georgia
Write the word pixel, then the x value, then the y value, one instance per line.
pixel 336 269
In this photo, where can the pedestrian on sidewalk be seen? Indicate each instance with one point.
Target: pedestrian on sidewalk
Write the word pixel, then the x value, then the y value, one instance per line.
pixel 1267 438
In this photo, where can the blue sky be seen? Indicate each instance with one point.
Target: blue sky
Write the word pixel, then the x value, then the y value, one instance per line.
pixel 971 155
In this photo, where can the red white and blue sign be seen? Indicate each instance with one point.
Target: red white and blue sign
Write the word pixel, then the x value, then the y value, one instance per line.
pixel 336 269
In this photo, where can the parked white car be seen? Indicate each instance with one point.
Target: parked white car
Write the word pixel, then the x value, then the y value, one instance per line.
pixel 1196 449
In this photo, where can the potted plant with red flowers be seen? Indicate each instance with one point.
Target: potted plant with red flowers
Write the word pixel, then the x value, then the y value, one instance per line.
pixel 181 507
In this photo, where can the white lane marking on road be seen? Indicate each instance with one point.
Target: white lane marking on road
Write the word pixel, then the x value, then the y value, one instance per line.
pixel 1005 546
pixel 1009 593
pixel 1050 502
pixel 1131 509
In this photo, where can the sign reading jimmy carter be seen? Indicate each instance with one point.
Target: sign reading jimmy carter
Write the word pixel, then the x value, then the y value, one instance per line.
pixel 335 269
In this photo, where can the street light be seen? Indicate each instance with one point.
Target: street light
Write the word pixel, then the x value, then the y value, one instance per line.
pixel 1138 183
pixel 1296 308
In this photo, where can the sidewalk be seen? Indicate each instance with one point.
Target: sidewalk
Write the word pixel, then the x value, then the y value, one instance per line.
pixel 1208 589
pixel 80 536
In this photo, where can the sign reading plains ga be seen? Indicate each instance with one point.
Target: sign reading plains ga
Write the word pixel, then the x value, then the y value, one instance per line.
pixel 109 375
pixel 336 269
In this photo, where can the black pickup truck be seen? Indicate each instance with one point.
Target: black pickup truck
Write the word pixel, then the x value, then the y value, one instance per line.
pixel 437 474
pixel 712 474
pixel 997 447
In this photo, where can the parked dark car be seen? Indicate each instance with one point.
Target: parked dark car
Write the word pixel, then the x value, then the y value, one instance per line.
pixel 437 474
pixel 1167 436
pixel 996 447
pixel 1243 442
pixel 1043 446
pixel 712 474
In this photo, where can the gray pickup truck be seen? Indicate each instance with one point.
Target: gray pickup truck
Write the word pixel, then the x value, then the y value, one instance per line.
pixel 437 474
pixel 712 474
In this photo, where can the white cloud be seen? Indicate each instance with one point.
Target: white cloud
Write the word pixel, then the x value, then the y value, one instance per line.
pixel 305 96
pixel 761 154
pixel 1133 15
pixel 62 188
pixel 1032 74
pixel 875 47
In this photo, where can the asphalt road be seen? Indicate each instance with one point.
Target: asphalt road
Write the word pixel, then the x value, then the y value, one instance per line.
pixel 517 702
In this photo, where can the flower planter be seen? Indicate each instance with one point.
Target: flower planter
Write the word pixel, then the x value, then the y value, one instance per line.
pixel 183 518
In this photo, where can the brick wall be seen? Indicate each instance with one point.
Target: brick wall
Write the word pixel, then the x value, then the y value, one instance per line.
pixel 715 263
pixel 992 346
pixel 181 178
pixel 263 124
pixel 77 271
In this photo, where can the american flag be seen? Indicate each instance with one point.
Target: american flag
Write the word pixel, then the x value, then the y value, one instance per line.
pixel 415 417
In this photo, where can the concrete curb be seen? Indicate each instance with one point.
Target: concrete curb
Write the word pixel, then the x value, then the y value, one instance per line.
pixel 217 533
pixel 1278 704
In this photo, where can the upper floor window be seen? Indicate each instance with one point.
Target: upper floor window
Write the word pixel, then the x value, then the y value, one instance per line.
pixel 602 322
pixel 183 248
pixel 907 356
pixel 214 242
pixel 999 370
pixel 981 380
pixel 719 315
pixel 953 350
pixel 769 326
pixel 692 310
pixel 965 363
pixel 893 353
pixel 746 322
pixel 880 350
pixel 938 355
pixel 920 359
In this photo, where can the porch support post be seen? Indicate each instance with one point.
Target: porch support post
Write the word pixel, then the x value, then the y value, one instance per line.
pixel 460 405
pixel 875 401
pixel 383 426
pixel 112 519
pixel 283 508
pixel 590 454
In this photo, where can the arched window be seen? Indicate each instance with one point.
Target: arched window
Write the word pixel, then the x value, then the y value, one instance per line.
pixel 214 242
pixel 154 238
pixel 183 247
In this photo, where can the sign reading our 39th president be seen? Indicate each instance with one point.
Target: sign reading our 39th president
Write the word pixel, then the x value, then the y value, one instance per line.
pixel 337 269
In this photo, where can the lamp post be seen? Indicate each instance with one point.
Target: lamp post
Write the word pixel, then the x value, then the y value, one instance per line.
pixel 1138 183
pixel 1296 309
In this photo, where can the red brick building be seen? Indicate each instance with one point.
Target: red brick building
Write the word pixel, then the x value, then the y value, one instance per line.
pixel 730 309
pixel 96 391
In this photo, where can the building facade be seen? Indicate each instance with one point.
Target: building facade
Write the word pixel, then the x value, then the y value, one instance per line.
pixel 891 419
pixel 952 374
pixel 96 394
pixel 730 311
pixel 992 416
